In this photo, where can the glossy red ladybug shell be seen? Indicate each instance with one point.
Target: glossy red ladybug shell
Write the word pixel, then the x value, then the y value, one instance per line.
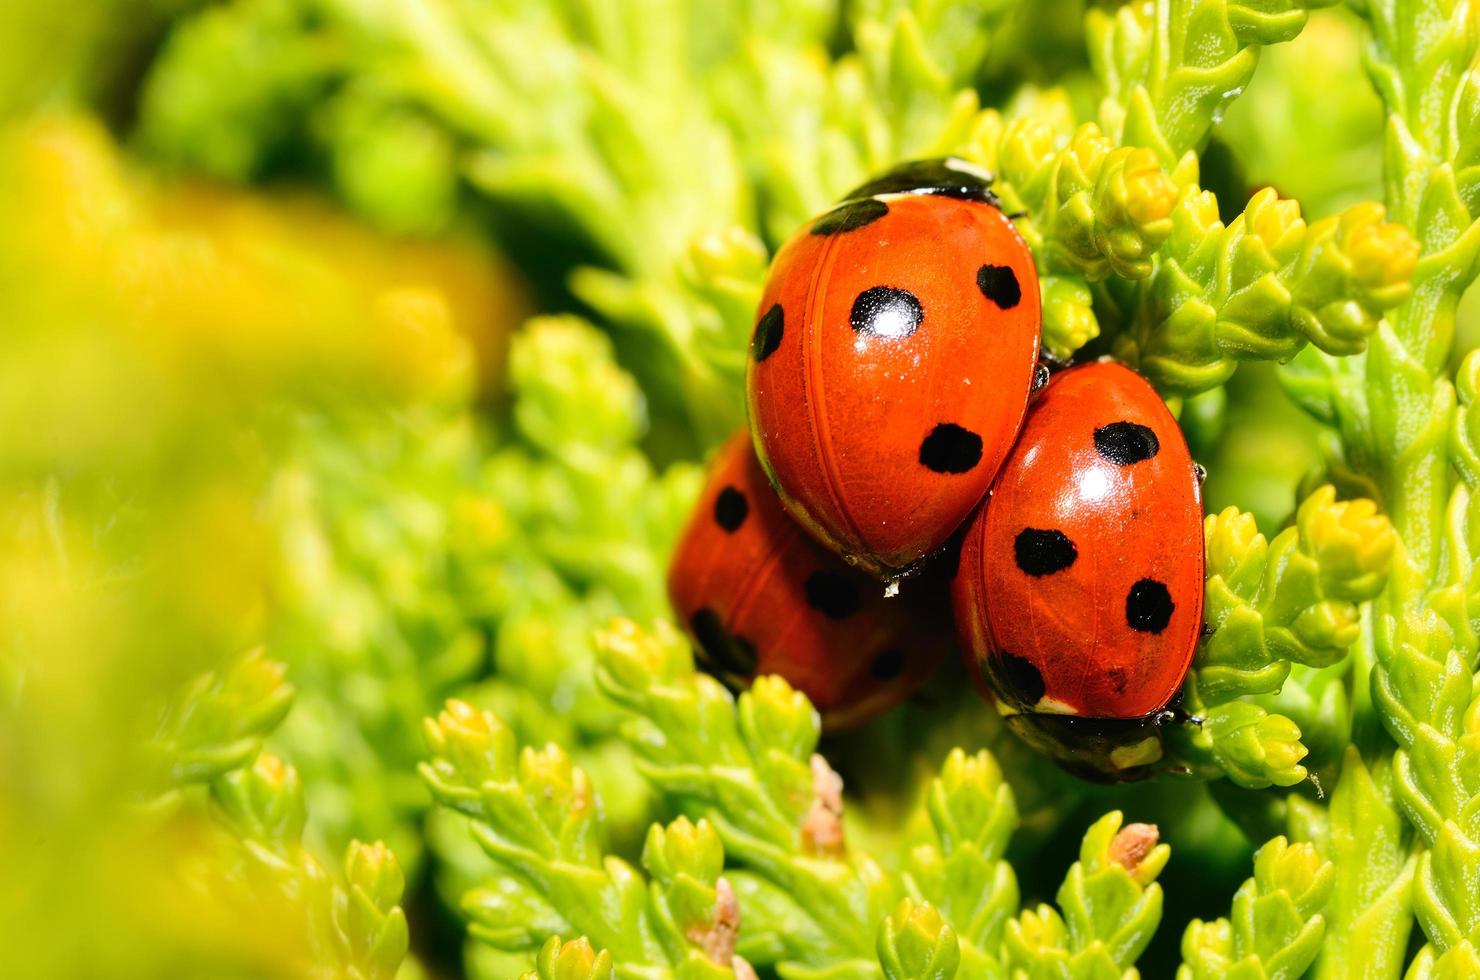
pixel 758 596
pixel 893 355
pixel 1080 587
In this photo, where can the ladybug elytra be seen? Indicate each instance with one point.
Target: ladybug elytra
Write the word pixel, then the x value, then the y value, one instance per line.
pixel 1080 587
pixel 894 351
pixel 758 596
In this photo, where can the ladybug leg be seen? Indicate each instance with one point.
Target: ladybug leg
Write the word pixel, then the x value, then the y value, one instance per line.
pixel 1173 714
pixel 1201 472
pixel 1040 379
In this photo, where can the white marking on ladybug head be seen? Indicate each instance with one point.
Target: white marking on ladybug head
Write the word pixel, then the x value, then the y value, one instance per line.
pixel 1053 706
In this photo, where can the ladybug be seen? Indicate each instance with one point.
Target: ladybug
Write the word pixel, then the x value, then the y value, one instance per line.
pixel 758 596
pixel 895 347
pixel 1080 587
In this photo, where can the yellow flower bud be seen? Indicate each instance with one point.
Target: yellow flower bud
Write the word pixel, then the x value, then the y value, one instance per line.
pixel 373 869
pixel 1232 537
pixel 1350 540
pixel 1383 254
pixel 1150 193
pixel 1275 222
pixel 1027 147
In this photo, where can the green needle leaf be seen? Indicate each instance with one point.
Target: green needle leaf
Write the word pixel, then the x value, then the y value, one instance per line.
pixel 1276 927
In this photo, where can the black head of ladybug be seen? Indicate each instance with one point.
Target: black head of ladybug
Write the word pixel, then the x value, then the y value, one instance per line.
pixel 946 176
pixel 1103 750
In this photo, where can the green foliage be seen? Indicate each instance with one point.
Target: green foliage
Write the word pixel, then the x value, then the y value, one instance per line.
pixel 962 872
pixel 1293 599
pixel 537 816
pixel 1262 287
pixel 1265 284
pixel 751 771
pixel 915 943
pixel 575 960
pixel 1276 927
pixel 355 929
pixel 1310 100
pixel 1170 68
pixel 218 722
pixel 1109 906
pixel 256 862
pixel 802 900
pixel 278 66
pixel 1370 911
pixel 1272 605
pixel 405 536
pixel 1097 208
pixel 1395 410
pixel 1190 296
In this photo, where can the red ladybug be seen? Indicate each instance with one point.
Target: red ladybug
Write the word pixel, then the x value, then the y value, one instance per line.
pixel 759 596
pixel 1080 586
pixel 892 359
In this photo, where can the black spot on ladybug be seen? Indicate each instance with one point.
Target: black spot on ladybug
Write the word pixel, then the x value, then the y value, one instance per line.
pixel 945 176
pixel 1116 676
pixel 831 594
pixel 1126 443
pixel 850 217
pixel 951 449
pixel 887 665
pixel 767 336
pixel 886 312
pixel 1148 606
pixel 999 284
pixel 1040 552
pixel 1022 680
pixel 730 509
pixel 719 651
